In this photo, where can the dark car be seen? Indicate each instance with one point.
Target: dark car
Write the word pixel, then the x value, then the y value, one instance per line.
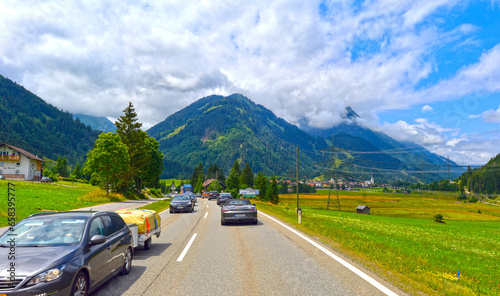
pixel 65 253
pixel 213 195
pixel 238 210
pixel 181 203
pixel 223 197
pixel 192 196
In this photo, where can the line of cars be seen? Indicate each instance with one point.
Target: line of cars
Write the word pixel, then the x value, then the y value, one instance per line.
pixel 234 210
pixel 74 253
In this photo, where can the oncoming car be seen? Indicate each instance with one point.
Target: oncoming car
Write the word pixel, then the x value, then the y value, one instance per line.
pixel 65 253
pixel 181 203
pixel 238 210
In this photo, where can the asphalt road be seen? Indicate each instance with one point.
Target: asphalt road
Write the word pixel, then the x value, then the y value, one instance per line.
pixel 263 259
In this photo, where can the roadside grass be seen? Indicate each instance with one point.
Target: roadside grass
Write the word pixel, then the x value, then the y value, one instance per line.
pixel 400 241
pixel 31 198
pixel 158 206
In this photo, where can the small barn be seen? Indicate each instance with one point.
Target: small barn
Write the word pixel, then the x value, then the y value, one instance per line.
pixel 362 209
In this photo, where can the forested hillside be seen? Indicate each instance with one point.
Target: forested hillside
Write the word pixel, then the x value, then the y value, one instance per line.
pixel 26 121
pixel 219 130
pixel 485 179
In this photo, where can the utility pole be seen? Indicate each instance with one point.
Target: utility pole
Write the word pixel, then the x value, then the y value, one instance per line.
pixel 297 179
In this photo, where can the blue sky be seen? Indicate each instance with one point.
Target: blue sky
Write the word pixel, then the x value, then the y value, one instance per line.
pixel 426 71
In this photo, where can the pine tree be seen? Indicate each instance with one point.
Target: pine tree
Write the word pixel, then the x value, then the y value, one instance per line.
pixel 129 130
pixel 272 191
pixel 247 176
pixel 233 181
pixel 261 184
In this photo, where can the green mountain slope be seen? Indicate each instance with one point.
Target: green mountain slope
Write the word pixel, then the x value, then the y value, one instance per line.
pixel 26 121
pixel 485 179
pixel 219 130
pixel 96 123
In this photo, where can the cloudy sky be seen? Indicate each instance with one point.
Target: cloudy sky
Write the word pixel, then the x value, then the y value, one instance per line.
pixel 426 71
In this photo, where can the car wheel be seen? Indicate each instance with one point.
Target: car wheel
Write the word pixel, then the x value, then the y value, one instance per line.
pixel 222 222
pixel 147 244
pixel 255 222
pixel 80 285
pixel 127 265
pixel 171 211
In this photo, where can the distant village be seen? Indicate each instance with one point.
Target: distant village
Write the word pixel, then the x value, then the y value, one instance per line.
pixel 340 183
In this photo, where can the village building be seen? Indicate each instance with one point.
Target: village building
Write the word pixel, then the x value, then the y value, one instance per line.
pixel 19 164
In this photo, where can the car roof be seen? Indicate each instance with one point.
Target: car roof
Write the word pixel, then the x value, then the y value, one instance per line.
pixel 72 214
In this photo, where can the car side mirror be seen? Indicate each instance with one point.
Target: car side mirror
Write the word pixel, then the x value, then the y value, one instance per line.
pixel 253 205
pixel 97 239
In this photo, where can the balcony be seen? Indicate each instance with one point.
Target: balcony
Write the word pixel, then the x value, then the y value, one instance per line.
pixel 10 158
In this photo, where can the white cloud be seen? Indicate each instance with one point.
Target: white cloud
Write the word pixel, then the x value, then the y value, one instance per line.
pixel 422 132
pixel 491 115
pixel 94 58
pixel 426 109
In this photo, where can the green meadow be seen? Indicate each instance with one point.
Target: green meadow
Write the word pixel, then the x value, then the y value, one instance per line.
pixel 33 198
pixel 400 240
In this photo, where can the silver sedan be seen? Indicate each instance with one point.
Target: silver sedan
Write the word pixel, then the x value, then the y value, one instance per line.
pixel 238 210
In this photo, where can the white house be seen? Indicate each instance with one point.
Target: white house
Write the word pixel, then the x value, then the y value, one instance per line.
pixel 19 164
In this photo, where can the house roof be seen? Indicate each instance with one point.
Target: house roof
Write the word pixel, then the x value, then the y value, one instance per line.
pixel 29 155
pixel 361 207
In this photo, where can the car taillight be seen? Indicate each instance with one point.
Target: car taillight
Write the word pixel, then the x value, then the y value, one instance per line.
pixel 225 210
pixel 253 209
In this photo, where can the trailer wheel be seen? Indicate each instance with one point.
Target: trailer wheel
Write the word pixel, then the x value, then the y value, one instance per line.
pixel 147 244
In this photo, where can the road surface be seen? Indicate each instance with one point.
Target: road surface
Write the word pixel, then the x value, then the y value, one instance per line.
pixel 195 255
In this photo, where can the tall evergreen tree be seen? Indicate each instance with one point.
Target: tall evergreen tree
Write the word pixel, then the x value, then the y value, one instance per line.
pixel 261 184
pixel 198 171
pixel 247 176
pixel 272 191
pixel 233 181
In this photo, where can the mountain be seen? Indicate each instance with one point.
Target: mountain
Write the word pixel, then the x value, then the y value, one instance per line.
pixel 485 179
pixel 28 122
pixel 96 123
pixel 219 130
pixel 420 162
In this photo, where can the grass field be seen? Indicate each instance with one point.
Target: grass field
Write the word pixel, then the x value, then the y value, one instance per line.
pixel 33 198
pixel 400 241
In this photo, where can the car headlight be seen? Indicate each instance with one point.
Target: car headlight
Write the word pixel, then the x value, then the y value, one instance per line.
pixel 47 276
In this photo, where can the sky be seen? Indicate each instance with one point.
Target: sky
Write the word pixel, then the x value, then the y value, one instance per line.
pixel 426 71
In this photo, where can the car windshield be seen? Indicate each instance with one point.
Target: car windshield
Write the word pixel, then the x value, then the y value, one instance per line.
pixel 46 231
pixel 235 202
pixel 180 198
pixel 226 195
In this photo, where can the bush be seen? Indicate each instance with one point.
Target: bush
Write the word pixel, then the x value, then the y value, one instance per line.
pixel 473 199
pixel 462 196
pixel 438 218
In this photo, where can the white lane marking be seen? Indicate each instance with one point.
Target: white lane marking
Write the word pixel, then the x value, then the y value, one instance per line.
pixel 361 274
pixel 186 249
pixel 207 206
pixel 206 214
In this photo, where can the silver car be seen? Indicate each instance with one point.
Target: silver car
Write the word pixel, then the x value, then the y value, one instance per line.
pixel 238 210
